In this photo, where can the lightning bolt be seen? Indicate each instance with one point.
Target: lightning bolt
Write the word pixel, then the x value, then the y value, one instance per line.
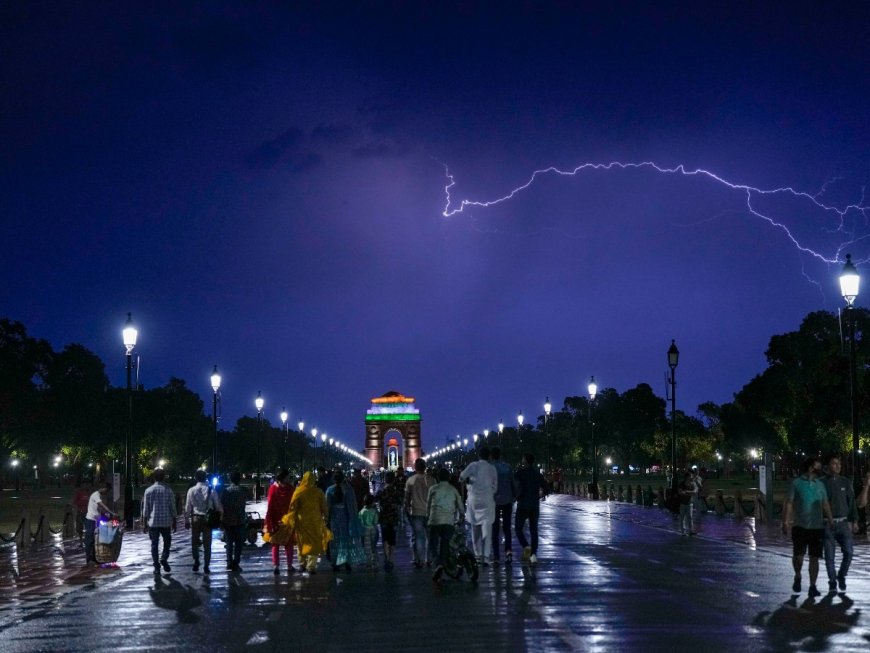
pixel 751 194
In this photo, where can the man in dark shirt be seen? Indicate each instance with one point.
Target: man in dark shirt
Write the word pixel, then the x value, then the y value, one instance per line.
pixel 530 486
pixel 390 500
pixel 841 496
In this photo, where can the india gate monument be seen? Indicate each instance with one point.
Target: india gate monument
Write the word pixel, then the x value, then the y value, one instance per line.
pixel 393 431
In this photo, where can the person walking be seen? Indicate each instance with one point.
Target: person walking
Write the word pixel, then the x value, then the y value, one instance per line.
pixel 158 516
pixel 360 485
pixel 416 500
pixel 98 505
pixel 481 481
pixel 368 519
pixel 530 488
pixel 234 521
pixel 200 499
pixel 277 504
pixel 505 495
pixel 839 532
pixel 686 492
pixel 443 506
pixel 306 515
pixel 390 503
pixel 81 498
pixel 805 511
pixel 345 547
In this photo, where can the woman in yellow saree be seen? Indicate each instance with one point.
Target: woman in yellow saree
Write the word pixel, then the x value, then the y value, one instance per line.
pixel 306 518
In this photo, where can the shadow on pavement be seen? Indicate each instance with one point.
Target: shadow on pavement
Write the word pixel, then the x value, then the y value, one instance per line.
pixel 807 626
pixel 169 594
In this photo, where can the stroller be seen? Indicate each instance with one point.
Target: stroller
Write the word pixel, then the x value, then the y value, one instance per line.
pixel 460 559
pixel 107 540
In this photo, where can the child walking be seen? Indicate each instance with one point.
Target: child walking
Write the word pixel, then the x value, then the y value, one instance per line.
pixel 368 518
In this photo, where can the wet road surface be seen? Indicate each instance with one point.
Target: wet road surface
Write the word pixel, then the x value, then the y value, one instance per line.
pixel 611 577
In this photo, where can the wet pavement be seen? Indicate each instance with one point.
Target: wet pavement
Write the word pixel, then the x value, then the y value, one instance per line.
pixel 611 577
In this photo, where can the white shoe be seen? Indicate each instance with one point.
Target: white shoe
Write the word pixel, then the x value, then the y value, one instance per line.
pixel 533 559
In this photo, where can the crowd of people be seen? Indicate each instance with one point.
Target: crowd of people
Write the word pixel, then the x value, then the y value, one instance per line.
pixel 329 516
pixel 341 519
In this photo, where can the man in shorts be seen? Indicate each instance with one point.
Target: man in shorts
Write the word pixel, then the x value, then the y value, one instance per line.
pixel 390 500
pixel 806 512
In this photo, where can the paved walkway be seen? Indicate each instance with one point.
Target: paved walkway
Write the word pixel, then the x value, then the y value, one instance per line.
pixel 612 577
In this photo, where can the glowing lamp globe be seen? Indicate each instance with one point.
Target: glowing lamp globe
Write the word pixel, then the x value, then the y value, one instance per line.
pixel 215 380
pixel 130 333
pixel 593 388
pixel 849 281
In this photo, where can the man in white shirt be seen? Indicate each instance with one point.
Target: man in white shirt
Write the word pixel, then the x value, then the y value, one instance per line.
pixel 97 507
pixel 200 498
pixel 481 479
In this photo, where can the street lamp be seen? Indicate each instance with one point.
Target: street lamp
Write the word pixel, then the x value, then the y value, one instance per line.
pixel 593 391
pixel 673 359
pixel 314 435
pixel 500 431
pixel 301 426
pixel 215 386
pixel 520 420
pixel 323 437
pixel 547 408
pixel 284 417
pixel 130 333
pixel 259 403
pixel 15 463
pixel 849 283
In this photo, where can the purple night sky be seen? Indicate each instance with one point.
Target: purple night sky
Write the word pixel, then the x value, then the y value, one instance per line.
pixel 264 188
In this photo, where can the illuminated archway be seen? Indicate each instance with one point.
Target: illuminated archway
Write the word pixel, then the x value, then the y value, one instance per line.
pixel 393 412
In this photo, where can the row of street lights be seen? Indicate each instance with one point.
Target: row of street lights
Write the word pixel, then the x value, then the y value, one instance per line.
pixel 849 287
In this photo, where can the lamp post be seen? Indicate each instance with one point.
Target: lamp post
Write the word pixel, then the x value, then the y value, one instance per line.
pixel 547 408
pixel 520 420
pixel 215 386
pixel 259 403
pixel 314 435
pixel 323 437
pixel 593 391
pixel 673 360
pixel 15 463
pixel 849 284
pixel 284 417
pixel 130 333
pixel 500 431
pixel 301 426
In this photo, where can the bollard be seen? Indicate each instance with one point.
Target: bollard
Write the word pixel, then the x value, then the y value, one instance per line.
pixel 660 498
pixel 22 538
pixel 611 493
pixel 739 513
pixel 69 525
pixel 760 509
pixel 638 495
pixel 620 493
pixel 720 507
pixel 629 495
pixel 39 535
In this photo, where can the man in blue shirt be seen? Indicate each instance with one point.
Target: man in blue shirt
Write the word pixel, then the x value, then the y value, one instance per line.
pixel 805 512
pixel 504 505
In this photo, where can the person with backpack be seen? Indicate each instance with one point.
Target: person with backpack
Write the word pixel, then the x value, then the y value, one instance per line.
pixel 200 499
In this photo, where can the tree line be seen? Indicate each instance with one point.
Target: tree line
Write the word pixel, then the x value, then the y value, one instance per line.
pixel 60 403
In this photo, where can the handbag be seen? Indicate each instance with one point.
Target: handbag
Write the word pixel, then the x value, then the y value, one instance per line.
pixel 212 516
